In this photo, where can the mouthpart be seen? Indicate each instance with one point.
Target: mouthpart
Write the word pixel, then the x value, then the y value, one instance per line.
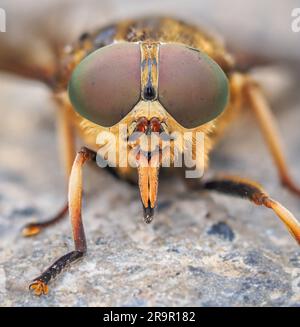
pixel 148 164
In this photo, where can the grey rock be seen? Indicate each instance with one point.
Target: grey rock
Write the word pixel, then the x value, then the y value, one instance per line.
pixel 223 230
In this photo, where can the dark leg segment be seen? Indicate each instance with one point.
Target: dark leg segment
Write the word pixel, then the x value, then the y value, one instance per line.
pixel 35 228
pixel 254 192
pixel 40 284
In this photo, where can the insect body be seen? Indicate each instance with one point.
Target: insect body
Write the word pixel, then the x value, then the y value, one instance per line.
pixel 157 77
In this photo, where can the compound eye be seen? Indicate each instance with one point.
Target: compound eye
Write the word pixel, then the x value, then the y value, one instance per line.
pixel 105 86
pixel 192 87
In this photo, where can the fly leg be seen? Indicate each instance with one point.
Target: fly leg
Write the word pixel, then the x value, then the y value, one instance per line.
pixel 269 128
pixel 40 284
pixel 32 229
pixel 253 192
pixel 67 149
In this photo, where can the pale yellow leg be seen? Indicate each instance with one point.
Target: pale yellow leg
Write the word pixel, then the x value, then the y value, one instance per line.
pixel 40 284
pixel 67 148
pixel 66 140
pixel 270 130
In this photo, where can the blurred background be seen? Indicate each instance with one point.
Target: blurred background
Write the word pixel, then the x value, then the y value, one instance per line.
pixel 32 183
pixel 261 25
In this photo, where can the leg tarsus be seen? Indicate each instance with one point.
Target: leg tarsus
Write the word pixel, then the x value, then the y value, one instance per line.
pixel 33 229
pixel 40 284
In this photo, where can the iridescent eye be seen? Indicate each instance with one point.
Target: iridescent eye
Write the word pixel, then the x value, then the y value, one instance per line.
pixel 105 86
pixel 192 87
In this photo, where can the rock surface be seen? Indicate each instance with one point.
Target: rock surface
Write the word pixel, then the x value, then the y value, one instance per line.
pixel 201 249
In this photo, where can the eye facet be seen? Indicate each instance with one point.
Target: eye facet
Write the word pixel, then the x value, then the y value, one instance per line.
pixel 105 86
pixel 192 87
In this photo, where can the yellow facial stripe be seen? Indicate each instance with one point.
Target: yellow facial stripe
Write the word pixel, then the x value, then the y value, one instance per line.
pixel 149 70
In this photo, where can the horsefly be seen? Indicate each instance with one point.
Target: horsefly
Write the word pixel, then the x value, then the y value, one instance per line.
pixel 145 94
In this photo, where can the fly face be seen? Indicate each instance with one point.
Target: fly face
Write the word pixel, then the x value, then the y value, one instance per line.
pixel 155 89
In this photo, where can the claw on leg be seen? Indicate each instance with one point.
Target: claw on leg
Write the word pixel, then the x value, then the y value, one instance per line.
pixel 31 230
pixel 39 288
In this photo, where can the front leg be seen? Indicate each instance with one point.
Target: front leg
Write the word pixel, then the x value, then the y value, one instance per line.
pixel 252 191
pixel 40 284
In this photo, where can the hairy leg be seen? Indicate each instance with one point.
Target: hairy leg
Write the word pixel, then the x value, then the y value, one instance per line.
pixel 40 284
pixel 252 191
